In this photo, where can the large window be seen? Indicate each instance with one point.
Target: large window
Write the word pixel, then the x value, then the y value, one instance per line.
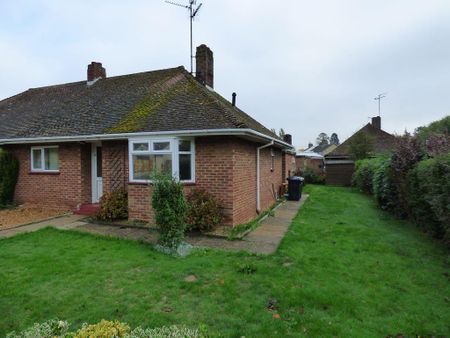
pixel 174 157
pixel 45 159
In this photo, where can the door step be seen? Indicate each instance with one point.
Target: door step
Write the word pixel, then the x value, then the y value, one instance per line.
pixel 88 209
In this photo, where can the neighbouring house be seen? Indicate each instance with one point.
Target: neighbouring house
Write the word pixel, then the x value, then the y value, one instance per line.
pixel 309 159
pixel 322 149
pixel 77 141
pixel 339 163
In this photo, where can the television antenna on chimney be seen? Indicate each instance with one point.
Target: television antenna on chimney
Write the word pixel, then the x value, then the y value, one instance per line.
pixel 378 98
pixel 193 11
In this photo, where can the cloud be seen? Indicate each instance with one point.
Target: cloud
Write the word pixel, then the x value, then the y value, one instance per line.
pixel 308 67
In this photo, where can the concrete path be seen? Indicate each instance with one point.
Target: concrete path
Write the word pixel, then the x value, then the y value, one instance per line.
pixel 63 223
pixel 263 240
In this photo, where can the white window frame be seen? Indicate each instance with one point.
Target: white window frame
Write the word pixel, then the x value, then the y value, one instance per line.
pixel 174 152
pixel 42 169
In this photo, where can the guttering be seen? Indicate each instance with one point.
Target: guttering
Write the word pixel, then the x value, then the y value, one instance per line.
pixel 125 136
pixel 258 199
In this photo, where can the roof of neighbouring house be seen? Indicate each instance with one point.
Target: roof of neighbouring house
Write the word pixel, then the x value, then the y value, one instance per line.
pixel 162 100
pixel 309 154
pixel 382 141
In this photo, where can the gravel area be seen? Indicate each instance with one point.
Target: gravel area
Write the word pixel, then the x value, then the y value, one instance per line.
pixel 25 214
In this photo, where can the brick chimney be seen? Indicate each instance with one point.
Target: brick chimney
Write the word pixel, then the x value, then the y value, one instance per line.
pixel 287 138
pixel 376 122
pixel 204 66
pixel 95 71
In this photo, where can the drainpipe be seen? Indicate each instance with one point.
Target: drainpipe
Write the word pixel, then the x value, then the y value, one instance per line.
pixel 258 178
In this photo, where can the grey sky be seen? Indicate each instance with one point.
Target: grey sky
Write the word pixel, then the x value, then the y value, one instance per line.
pixel 306 66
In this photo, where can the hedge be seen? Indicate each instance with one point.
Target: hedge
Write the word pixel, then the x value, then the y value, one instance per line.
pixel 9 171
pixel 425 188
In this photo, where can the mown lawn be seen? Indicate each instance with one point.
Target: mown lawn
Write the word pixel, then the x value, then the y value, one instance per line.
pixel 344 269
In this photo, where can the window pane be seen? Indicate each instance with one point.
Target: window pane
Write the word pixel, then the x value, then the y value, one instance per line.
pixel 141 167
pixel 185 167
pixel 99 162
pixel 161 146
pixel 184 145
pixel 37 164
pixel 140 146
pixel 145 165
pixel 162 164
pixel 51 158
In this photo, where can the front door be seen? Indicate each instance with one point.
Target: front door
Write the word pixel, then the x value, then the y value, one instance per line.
pixel 97 180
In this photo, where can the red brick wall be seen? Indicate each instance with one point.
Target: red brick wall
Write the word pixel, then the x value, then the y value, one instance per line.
pixel 67 189
pixel 225 167
pixel 114 165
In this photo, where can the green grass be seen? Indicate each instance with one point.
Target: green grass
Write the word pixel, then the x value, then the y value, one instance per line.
pixel 344 269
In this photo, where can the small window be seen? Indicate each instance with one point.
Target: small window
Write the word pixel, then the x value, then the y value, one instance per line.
pixel 140 146
pixel 272 159
pixel 184 160
pixel 161 146
pixel 45 159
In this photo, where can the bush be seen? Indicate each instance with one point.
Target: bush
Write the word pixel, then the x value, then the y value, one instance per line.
pixel 428 186
pixel 204 211
pixel 9 172
pixel 50 329
pixel 170 208
pixel 113 205
pixel 103 329
pixel 384 188
pixel 364 172
pixel 165 332
pixel 310 176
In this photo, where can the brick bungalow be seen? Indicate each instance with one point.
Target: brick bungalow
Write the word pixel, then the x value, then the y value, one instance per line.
pixel 77 141
pixel 339 165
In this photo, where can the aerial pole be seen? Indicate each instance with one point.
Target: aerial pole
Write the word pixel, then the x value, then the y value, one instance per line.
pixel 193 11
pixel 378 98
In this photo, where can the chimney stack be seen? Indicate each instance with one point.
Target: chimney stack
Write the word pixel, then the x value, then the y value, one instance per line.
pixel 287 138
pixel 376 122
pixel 204 66
pixel 233 100
pixel 95 71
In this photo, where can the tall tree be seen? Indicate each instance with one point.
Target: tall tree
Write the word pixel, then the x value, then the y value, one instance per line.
pixel 281 133
pixel 322 139
pixel 334 139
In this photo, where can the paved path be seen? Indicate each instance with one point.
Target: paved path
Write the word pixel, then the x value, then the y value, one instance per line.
pixel 63 223
pixel 263 240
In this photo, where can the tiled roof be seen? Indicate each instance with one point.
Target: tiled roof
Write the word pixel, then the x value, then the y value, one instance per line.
pixel 163 100
pixel 382 141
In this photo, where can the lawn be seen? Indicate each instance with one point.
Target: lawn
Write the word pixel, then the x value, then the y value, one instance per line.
pixel 344 269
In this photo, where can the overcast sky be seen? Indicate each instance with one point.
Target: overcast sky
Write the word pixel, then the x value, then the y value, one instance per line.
pixel 305 66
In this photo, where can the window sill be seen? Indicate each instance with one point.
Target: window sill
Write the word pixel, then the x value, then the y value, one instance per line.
pixel 44 173
pixel 150 183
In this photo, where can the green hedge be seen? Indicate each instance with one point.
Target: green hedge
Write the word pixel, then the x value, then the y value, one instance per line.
pixel 9 171
pixel 425 190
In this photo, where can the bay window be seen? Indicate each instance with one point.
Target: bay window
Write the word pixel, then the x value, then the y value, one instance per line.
pixel 174 157
pixel 45 159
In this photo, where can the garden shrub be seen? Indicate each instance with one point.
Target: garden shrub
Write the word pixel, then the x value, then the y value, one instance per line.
pixel 204 211
pixel 429 195
pixel 165 332
pixel 112 329
pixel 113 206
pixel 170 208
pixel 49 329
pixel 364 172
pixel 384 189
pixel 310 176
pixel 9 172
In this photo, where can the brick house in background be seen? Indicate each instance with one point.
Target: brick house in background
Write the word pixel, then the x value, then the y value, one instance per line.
pixel 339 165
pixel 79 140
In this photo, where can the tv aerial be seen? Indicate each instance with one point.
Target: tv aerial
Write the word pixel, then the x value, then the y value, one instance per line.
pixel 193 11
pixel 378 98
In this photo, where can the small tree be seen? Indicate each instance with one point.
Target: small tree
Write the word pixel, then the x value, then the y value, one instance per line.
pixel 170 208
pixel 322 139
pixel 9 171
pixel 361 146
